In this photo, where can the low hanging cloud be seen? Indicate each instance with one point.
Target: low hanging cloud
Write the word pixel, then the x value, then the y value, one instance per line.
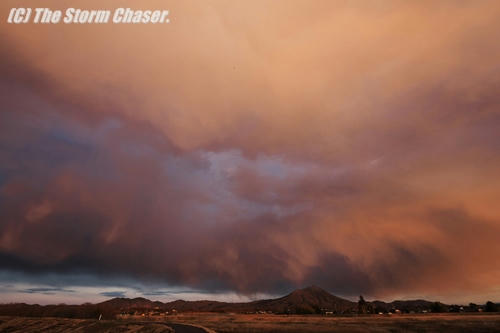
pixel 46 291
pixel 113 293
pixel 357 150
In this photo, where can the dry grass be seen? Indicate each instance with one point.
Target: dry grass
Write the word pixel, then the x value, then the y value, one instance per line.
pixel 28 325
pixel 225 323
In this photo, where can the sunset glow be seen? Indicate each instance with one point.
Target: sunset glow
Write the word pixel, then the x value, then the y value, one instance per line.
pixel 246 149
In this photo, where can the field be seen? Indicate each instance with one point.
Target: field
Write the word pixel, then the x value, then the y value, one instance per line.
pixel 224 323
pixel 28 325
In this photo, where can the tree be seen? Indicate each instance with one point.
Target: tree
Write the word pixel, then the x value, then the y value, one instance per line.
pixel 362 305
pixel 473 307
pixel 491 307
pixel 438 307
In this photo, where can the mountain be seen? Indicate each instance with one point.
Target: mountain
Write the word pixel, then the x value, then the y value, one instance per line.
pixel 138 302
pixel 418 305
pixel 308 300
pixel 303 301
pixel 311 300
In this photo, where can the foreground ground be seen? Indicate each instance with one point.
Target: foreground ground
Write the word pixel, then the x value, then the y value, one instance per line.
pixel 223 323
pixel 28 325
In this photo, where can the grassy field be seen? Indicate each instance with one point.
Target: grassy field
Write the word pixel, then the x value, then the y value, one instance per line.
pixel 223 323
pixel 64 325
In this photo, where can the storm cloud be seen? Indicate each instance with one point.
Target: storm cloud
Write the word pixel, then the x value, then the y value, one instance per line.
pixel 257 147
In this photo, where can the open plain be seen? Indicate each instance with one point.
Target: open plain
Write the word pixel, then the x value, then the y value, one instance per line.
pixel 267 323
pixel 225 323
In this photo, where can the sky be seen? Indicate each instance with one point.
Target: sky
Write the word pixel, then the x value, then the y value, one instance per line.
pixel 248 148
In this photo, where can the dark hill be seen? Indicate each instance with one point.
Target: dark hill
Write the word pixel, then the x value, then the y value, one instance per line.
pixel 303 301
pixel 405 306
pixel 128 303
pixel 308 300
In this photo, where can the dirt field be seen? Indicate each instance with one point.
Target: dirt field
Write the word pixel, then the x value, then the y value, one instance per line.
pixel 223 323
pixel 20 324
pixel 23 324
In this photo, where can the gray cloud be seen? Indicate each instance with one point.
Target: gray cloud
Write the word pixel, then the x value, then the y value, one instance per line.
pixel 113 294
pixel 46 291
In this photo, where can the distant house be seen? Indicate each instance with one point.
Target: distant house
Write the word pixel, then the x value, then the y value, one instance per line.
pixel 123 315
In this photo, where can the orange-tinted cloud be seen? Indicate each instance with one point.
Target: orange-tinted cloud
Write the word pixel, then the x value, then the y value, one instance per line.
pixel 257 146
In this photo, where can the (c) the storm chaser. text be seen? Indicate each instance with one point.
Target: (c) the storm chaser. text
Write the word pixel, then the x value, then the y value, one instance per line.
pixel 82 16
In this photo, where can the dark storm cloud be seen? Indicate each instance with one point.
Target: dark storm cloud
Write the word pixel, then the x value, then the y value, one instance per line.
pixel 365 164
pixel 46 291
pixel 156 293
pixel 170 292
pixel 113 293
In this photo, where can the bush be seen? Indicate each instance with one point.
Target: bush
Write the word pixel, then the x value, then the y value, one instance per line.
pixel 437 307
pixel 491 307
